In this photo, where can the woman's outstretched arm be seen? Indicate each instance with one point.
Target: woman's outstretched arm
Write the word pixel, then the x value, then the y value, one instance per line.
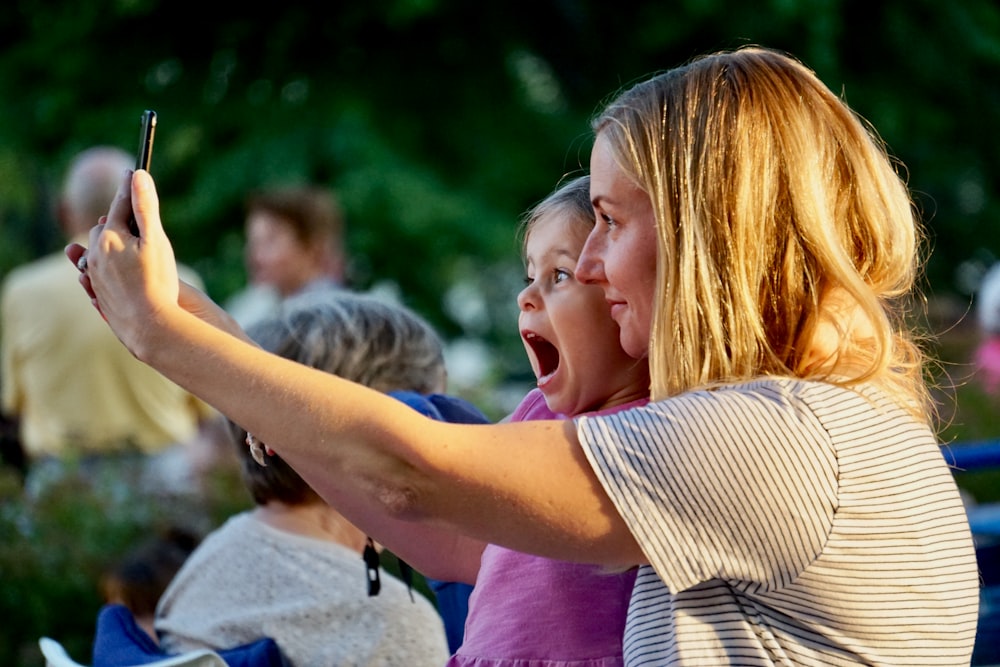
pixel 527 486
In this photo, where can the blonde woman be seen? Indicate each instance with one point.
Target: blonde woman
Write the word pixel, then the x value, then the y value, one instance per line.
pixel 783 491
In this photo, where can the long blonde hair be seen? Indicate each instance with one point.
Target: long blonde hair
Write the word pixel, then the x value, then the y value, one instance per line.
pixel 770 196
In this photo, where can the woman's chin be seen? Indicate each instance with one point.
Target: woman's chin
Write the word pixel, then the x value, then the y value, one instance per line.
pixel 634 346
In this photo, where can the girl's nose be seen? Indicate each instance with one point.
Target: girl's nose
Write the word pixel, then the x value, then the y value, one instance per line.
pixel 527 299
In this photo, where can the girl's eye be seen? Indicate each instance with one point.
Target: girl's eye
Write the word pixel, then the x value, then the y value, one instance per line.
pixel 528 280
pixel 559 275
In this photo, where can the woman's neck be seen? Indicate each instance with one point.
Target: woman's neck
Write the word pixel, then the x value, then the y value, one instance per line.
pixel 316 520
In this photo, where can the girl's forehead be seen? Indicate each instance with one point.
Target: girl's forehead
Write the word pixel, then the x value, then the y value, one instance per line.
pixel 559 228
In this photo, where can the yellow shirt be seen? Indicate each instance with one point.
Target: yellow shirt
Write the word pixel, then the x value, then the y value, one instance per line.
pixel 73 385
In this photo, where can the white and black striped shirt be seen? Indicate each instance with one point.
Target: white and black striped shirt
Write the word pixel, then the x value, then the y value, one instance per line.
pixel 788 523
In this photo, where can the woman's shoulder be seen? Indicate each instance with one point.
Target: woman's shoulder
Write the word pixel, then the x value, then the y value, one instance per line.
pixel 777 391
pixel 790 400
pixel 785 391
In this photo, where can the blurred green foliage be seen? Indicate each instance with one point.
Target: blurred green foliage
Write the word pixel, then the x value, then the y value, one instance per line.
pixel 439 122
pixel 54 547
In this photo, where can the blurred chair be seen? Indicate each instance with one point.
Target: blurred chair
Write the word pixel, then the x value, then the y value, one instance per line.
pixel 120 642
pixel 56 656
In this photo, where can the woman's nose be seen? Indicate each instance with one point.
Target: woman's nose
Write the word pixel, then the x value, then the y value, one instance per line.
pixel 590 265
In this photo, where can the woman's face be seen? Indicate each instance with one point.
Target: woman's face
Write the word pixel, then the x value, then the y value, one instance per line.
pixel 620 253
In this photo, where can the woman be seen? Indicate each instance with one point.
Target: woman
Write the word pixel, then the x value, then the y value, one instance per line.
pixel 783 491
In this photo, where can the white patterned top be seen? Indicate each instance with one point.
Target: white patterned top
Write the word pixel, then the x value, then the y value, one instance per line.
pixel 788 523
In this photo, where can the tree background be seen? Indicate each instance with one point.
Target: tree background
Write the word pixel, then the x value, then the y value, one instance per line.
pixel 439 122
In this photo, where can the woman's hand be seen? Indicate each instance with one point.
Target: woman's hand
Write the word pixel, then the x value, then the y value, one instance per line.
pixel 131 280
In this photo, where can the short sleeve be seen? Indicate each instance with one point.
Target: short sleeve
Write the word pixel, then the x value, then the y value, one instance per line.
pixel 737 484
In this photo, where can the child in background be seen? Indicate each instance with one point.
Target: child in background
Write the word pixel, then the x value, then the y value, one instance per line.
pixel 139 578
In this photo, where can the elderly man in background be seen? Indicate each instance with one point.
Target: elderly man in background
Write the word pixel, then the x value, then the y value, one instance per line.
pixel 78 394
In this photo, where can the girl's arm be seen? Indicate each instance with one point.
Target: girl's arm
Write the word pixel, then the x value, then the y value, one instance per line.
pixel 527 486
pixel 435 552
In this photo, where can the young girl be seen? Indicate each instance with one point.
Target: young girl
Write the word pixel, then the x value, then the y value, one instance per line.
pixel 524 607
pixel 784 493
pixel 529 608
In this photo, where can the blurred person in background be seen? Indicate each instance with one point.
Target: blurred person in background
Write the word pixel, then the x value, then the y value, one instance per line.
pixel 294 244
pixel 139 577
pixel 987 355
pixel 291 568
pixel 76 392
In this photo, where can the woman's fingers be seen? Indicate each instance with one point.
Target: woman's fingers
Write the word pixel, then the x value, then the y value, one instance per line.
pixel 77 254
pixel 121 208
pixel 74 251
pixel 145 204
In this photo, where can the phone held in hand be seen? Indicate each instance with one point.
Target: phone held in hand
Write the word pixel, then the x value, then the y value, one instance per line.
pixel 144 155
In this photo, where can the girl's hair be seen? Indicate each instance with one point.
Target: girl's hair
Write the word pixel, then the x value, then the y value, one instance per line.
pixel 360 338
pixel 570 199
pixel 773 201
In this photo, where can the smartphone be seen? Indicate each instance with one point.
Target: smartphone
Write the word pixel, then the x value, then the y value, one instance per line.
pixel 144 155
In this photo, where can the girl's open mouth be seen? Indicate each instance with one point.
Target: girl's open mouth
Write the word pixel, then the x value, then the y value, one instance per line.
pixel 546 354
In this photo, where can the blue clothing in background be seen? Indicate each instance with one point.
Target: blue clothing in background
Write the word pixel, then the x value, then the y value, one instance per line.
pixel 120 641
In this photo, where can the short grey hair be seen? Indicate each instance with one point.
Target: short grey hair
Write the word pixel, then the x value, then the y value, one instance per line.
pixel 358 337
pixel 92 180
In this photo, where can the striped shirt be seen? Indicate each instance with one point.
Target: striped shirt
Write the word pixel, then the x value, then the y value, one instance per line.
pixel 788 523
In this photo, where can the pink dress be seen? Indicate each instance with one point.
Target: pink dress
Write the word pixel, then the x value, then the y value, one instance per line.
pixel 988 364
pixel 529 611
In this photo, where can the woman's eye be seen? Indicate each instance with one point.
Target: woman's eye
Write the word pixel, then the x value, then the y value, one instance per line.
pixel 608 220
